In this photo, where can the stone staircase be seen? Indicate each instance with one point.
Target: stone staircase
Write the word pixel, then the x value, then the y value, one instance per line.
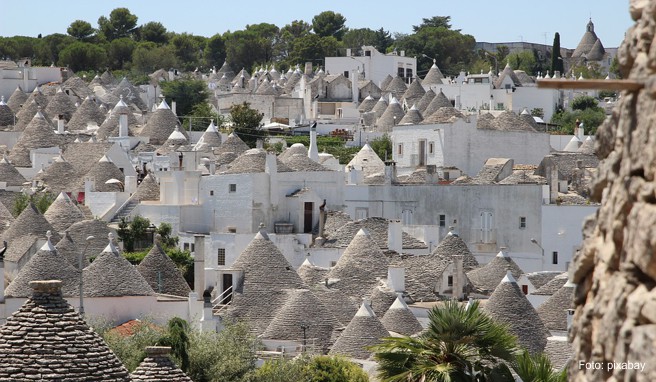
pixel 125 211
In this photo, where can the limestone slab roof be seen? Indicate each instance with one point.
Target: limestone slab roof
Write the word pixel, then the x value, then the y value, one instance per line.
pixel 490 275
pixel 7 116
pixel 67 248
pixel 210 139
pixel 233 144
pixel 37 134
pixel 364 330
pixel 19 246
pixel 253 161
pixel 27 112
pixel 559 351
pixel 6 218
pixel 588 147
pixel 9 174
pixel 412 117
pixel 381 298
pixel 108 78
pixel 380 107
pixel 87 112
pixel 587 41
pixel 414 92
pixel 386 81
pixel 453 245
pixel 17 98
pixel 161 124
pixel 101 172
pixel 507 73
pixel 130 93
pixel 148 189
pixel 434 76
pixel 444 115
pixel 390 117
pixel 60 104
pixel 553 311
pixel 359 267
pixel 509 121
pixel 162 274
pixel 296 148
pixel 111 275
pixel 302 309
pixel 46 338
pixel 158 367
pixel 485 121
pixel 30 221
pixel 62 213
pixel 367 104
pixel 312 274
pixel 59 177
pixel 425 100
pixel 338 303
pixel 567 163
pixel 399 319
pixel 377 228
pixel 46 264
pixel 91 227
pixel 267 275
pixel 552 286
pixel 509 305
pixel 78 86
pixel 538 279
pixel 397 87
pixel 440 100
pixel 300 163
pixel 334 221
pixel 367 161
pixel 422 273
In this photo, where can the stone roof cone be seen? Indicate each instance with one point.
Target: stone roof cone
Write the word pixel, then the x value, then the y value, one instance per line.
pixel 91 227
pixel 553 311
pixel 70 251
pixel 509 305
pixel 399 319
pixel 425 100
pixel 61 104
pixel 488 277
pixel 363 331
pixel 233 144
pixel 161 272
pixel 47 322
pixel 210 139
pixel 162 124
pixel 87 112
pixel 62 213
pixel 367 104
pixel 440 100
pixel 17 98
pixel 38 134
pixel 9 174
pixel 158 367
pixel 312 274
pixel 30 221
pixel 451 245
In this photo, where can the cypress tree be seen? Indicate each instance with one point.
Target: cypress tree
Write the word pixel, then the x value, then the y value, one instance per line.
pixel 556 59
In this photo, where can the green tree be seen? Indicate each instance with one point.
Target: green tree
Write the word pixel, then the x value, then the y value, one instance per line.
pixel 215 51
pixel 434 22
pixel 615 67
pixel 246 123
pixel 312 369
pixel 556 58
pixel 51 46
pixel 81 30
pixel 8 48
pixel 154 32
pixel 121 23
pixel 460 344
pixel 148 57
pixel 202 115
pixel 186 50
pixel 383 40
pixel 329 24
pixel 130 349
pixel 382 146
pixel 523 60
pixel 83 56
pixel 186 92
pixel 243 49
pixel 354 39
pixel 585 102
pixel 288 34
pixel 313 48
pixel 130 232
pixel 536 368
pixel 177 338
pixel 586 110
pixel 120 52
pixel 41 201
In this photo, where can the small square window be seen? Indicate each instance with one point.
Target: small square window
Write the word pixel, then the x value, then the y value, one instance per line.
pixel 522 222
pixel 193 247
pixel 442 220
pixel 554 257
pixel 346 73
pixel 449 281
pixel 233 187
pixel 524 288
pixel 333 263
pixel 185 246
pixel 431 148
pixel 211 192
pixel 399 149
pixel 221 256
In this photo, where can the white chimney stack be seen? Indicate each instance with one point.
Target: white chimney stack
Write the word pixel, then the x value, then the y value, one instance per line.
pixel 313 151
pixel 123 125
pixel 396 279
pixel 199 265
pixel 395 236
pixel 173 107
pixel 60 124
pixel 570 317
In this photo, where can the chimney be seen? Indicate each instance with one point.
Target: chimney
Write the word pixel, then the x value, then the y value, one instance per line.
pixel 458 282
pixel 396 279
pixel 390 172
pixel 60 124
pixel 553 184
pixel 570 318
pixel 313 151
pixel 322 220
pixel 348 52
pixel 271 168
pixel 432 177
pixel 123 125
pixel 354 176
pixel 199 266
pixel 173 107
pixel 212 167
pixel 403 53
pixel 395 236
pixel 308 68
pixel 355 90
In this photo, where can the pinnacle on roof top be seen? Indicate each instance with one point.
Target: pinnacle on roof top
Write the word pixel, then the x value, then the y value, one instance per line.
pixel 508 278
pixel 502 252
pixel 110 248
pixel 163 104
pixel 365 309
pixel 48 244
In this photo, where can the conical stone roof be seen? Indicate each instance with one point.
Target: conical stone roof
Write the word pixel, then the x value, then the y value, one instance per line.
pixel 27 113
pixel 87 112
pixel 38 134
pixel 414 92
pixel 158 367
pixel 440 100
pixel 62 213
pixel 30 221
pixel 253 161
pixel 92 227
pixel 303 309
pixel 433 77
pixel 111 275
pixel 399 319
pixel 412 117
pixel 367 104
pixel 507 72
pixel 367 161
pixel 553 311
pixel 162 274
pixel 587 147
pixel 386 81
pixel 70 251
pixel 7 116
pixel 444 115
pixel 381 298
pixel 453 245
pixel 425 100
pixel 573 145
pixel 380 107
pixel 296 148
pixel 46 264
pixel 130 93
pixel 9 174
pixel 312 274
pixel 107 78
pixel 17 98
pixel 61 104
pixel 233 144
pixel 78 86
pixel 509 121
pixel 397 87
pixel 302 163
pixel 490 275
pixel 267 275
pixel 356 271
pixel 363 331
pixel 148 189
pixel 6 218
pixel 110 126
pixel 46 338
pixel 509 305
pixel 390 117
pixel 59 177
pixel 588 40
pixel 161 125
pixel 103 171
pixel 209 140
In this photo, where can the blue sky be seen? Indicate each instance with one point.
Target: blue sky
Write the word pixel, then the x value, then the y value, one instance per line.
pixel 510 20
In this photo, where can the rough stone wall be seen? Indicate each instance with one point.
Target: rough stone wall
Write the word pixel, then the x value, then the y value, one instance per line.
pixel 615 272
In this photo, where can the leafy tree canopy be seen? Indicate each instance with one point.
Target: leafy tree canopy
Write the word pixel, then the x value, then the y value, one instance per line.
pixel 186 92
pixel 154 32
pixel 329 24
pixel 80 30
pixel 121 23
pixel 246 123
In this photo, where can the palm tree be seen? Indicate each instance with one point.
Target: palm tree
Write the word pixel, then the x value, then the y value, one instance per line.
pixel 460 344
pixel 536 368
